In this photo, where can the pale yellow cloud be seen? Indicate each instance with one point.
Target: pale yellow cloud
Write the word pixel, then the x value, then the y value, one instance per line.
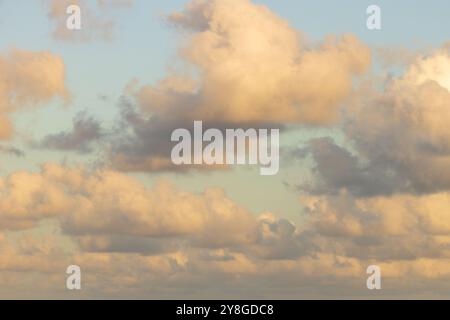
pixel 28 79
pixel 107 202
pixel 383 228
pixel 253 67
pixel 435 67
pixel 241 66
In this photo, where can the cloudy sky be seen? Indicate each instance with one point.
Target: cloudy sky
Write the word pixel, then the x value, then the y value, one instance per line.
pixel 85 171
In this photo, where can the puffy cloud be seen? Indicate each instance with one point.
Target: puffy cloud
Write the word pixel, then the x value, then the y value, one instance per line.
pixel 145 146
pixel 385 228
pixel 278 239
pixel 404 128
pixel 209 219
pixel 28 79
pixel 381 194
pixel 430 68
pixel 254 67
pixel 338 169
pixel 106 211
pixel 28 253
pixel 394 56
pixel 398 133
pixel 142 143
pixel 78 198
pixel 26 198
pixel 120 231
pixel 384 201
pixel 250 69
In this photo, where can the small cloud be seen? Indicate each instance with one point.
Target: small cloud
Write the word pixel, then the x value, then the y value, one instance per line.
pixel 85 131
pixel 95 24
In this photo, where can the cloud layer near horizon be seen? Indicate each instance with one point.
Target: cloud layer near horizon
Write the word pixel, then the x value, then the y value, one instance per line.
pixel 114 223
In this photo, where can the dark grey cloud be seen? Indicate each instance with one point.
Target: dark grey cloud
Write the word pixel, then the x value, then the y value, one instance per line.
pixel 399 144
pixel 142 142
pixel 85 131
pixel 337 169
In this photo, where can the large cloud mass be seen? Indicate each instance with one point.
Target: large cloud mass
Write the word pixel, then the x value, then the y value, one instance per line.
pixel 250 68
pixel 111 224
pixel 107 202
pixel 399 132
pixel 254 67
pixel 380 189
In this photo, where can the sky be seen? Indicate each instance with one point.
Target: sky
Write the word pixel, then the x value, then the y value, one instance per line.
pixel 85 171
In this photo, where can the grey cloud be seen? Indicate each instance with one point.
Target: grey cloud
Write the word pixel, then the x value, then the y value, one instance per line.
pixel 85 131
pixel 126 244
pixel 399 134
pixel 142 142
pixel 12 150
pixel 278 239
pixel 337 169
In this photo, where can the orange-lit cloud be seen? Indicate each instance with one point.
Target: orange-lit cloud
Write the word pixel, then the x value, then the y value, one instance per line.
pixel 398 132
pixel 380 192
pixel 254 67
pixel 139 236
pixel 250 68
pixel 28 79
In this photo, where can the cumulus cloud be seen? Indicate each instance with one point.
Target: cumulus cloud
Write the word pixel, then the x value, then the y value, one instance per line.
pixel 28 79
pixel 29 253
pixel 119 230
pixel 386 228
pixel 209 219
pixel 399 134
pixel 338 169
pixel 78 198
pixel 404 128
pixel 145 143
pixel 109 221
pixel 27 198
pixel 250 69
pixel 104 208
pixel 141 143
pixel 341 236
pixel 254 67
pixel 381 195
